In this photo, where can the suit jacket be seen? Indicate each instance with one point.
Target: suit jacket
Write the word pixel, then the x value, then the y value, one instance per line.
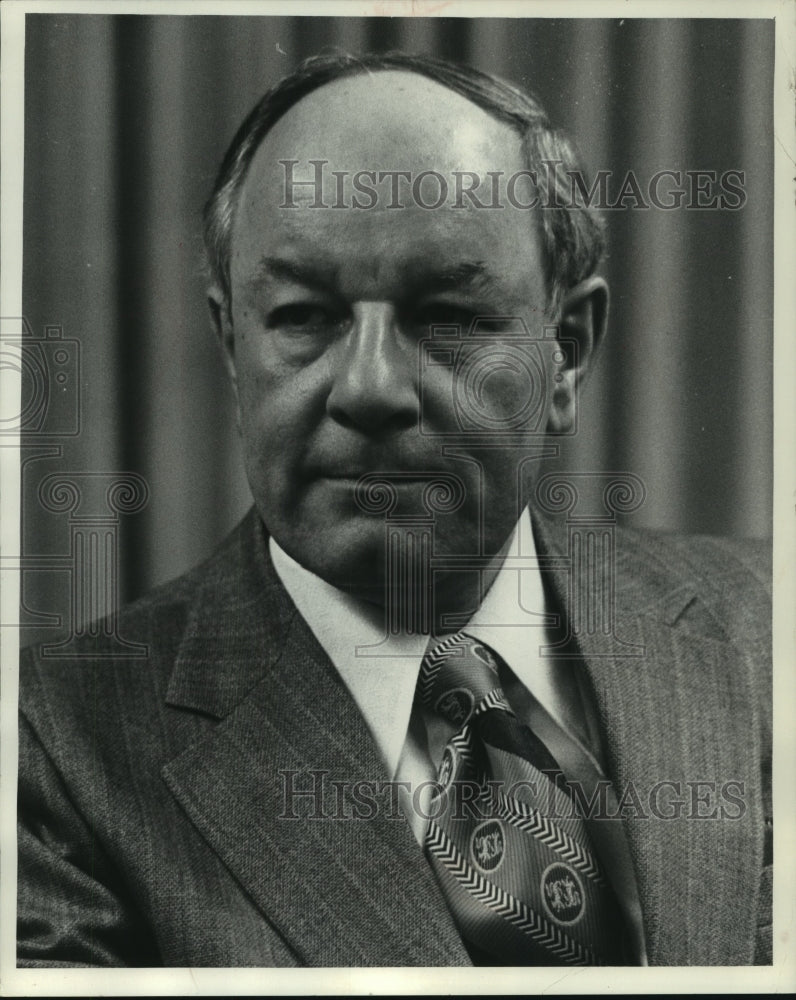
pixel 154 826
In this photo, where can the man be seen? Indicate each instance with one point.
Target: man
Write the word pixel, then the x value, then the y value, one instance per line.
pixel 391 247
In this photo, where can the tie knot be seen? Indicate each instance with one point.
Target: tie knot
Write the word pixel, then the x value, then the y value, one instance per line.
pixel 459 677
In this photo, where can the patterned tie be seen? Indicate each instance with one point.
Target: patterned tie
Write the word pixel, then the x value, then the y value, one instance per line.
pixel 506 837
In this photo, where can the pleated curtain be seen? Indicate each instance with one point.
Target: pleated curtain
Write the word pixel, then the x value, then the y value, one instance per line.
pixel 126 119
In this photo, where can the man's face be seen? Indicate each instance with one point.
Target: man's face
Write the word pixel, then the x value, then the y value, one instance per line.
pixel 329 307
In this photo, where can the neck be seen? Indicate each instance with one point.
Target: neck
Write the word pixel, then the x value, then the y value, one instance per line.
pixel 416 600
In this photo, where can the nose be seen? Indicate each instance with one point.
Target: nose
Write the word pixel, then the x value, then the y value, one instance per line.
pixel 375 379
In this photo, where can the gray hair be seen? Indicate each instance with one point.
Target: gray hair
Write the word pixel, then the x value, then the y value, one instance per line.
pixel 571 231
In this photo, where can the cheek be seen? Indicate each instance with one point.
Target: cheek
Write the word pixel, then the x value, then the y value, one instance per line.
pixel 492 387
pixel 280 405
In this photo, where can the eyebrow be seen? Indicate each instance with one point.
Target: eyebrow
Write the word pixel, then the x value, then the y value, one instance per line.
pixel 472 275
pixel 294 271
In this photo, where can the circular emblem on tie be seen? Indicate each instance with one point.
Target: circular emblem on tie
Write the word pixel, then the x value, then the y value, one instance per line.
pixel 456 705
pixel 444 774
pixel 488 845
pixel 446 768
pixel 562 893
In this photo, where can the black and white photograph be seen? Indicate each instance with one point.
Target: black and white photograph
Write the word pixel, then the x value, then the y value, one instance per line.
pixel 398 496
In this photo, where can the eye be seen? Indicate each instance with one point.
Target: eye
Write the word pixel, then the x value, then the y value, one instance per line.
pixel 306 317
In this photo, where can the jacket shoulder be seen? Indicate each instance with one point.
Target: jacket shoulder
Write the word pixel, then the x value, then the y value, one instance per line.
pixel 141 641
pixel 719 588
pixel 704 557
pixel 723 572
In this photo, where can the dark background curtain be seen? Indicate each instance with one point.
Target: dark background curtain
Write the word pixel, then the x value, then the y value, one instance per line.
pixel 126 120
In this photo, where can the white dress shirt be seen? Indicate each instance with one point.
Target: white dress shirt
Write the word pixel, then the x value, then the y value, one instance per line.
pixel 381 672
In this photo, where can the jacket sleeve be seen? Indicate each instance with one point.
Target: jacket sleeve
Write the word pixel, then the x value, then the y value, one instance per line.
pixel 748 572
pixel 732 579
pixel 754 627
pixel 765 930
pixel 741 571
pixel 71 909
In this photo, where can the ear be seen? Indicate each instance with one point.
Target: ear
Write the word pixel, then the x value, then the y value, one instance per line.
pixel 584 315
pixel 221 323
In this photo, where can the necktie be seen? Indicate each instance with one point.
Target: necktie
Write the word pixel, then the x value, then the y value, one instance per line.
pixel 506 837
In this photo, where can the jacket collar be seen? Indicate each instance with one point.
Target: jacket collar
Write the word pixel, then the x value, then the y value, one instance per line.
pixel 671 706
pixel 341 886
pixel 673 700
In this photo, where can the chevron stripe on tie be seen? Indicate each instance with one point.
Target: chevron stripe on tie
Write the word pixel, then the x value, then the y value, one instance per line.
pixel 527 818
pixel 519 873
pixel 505 905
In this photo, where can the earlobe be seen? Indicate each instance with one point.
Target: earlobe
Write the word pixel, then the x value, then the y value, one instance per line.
pixel 584 313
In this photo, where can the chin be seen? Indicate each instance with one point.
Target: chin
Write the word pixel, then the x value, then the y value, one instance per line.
pixel 348 554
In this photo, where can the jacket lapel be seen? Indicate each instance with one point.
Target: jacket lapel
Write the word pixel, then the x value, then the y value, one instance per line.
pixel 285 787
pixel 678 713
pixel 356 891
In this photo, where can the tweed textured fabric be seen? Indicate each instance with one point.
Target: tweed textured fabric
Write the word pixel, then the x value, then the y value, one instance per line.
pixel 180 809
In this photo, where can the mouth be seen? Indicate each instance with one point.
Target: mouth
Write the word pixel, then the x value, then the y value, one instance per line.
pixel 395 478
pixel 412 491
pixel 393 475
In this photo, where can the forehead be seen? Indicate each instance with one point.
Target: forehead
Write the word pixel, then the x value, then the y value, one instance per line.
pixel 387 121
pixel 368 120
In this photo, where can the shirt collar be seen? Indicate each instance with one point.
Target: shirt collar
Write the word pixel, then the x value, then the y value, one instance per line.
pixel 380 670
pixel 513 620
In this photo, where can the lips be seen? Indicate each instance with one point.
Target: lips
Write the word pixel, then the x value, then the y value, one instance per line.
pixel 398 475
pixel 402 469
pixel 399 466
